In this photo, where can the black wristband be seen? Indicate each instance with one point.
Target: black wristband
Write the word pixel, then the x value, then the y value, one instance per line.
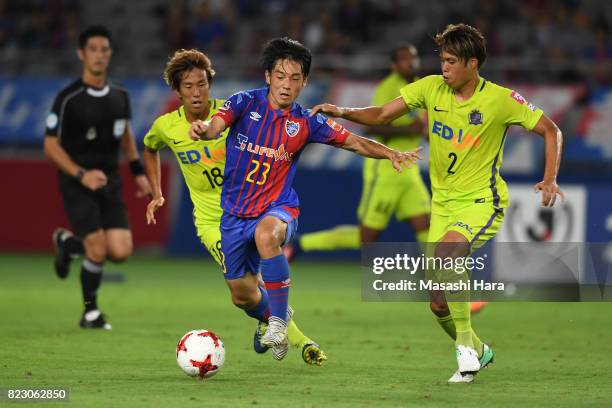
pixel 79 174
pixel 136 168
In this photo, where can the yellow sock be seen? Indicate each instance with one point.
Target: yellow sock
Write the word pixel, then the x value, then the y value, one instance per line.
pixel 295 335
pixel 448 326
pixel 460 311
pixel 340 237
pixel 477 344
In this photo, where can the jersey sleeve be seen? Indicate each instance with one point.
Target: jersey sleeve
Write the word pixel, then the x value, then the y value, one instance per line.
pixel 52 123
pixel 154 139
pixel 233 107
pixel 519 111
pixel 415 94
pixel 327 131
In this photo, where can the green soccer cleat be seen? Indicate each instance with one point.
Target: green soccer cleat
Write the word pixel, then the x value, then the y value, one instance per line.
pixel 487 356
pixel 313 354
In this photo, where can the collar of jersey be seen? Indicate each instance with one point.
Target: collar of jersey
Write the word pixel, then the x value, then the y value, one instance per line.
pixel 97 93
pixel 474 96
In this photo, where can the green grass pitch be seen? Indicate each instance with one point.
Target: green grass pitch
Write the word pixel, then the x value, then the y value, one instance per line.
pixel 380 354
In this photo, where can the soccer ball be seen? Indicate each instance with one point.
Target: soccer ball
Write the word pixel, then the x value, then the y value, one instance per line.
pixel 200 353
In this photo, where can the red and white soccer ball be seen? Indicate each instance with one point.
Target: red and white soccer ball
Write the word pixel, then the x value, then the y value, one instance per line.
pixel 200 353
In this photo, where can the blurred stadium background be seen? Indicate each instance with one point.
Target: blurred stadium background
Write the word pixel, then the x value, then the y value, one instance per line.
pixel 558 54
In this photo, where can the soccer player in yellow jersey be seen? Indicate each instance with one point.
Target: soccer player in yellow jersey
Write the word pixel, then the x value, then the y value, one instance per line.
pixel 468 119
pixel 385 191
pixel 189 73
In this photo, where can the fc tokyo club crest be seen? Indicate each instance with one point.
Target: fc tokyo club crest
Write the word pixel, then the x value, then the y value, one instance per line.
pixel 292 128
pixel 475 117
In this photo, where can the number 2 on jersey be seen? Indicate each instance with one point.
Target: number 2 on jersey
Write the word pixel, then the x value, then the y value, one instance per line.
pixel 453 156
pixel 264 174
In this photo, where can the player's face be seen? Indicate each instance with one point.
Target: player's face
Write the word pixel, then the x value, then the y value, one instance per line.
pixel 406 62
pixel 286 82
pixel 457 72
pixel 96 55
pixel 193 91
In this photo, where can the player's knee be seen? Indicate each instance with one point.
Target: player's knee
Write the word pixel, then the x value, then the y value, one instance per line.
pixel 96 252
pixel 439 308
pixel 120 254
pixel 266 239
pixel 451 250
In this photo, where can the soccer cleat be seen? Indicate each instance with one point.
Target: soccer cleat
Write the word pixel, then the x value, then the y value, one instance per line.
pixel 461 378
pixel 260 330
pixel 62 258
pixel 94 319
pixel 487 356
pixel 279 352
pixel 313 354
pixel 476 307
pixel 467 360
pixel 276 333
pixel 485 360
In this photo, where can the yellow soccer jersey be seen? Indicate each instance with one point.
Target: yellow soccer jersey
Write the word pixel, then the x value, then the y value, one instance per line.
pixel 202 162
pixel 466 139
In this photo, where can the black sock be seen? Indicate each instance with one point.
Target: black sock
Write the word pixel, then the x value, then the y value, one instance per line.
pixel 73 246
pixel 91 276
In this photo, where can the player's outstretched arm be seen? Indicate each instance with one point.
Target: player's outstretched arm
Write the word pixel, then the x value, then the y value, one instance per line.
pixel 375 150
pixel 153 169
pixel 206 129
pixel 372 115
pixel 553 140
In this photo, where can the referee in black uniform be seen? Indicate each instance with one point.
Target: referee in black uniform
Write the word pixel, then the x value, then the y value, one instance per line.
pixel 88 124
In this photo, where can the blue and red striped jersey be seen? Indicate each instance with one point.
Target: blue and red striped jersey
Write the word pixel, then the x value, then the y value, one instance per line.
pixel 263 147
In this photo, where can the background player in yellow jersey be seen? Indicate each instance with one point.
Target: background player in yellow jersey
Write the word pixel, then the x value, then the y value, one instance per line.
pixel 189 73
pixel 468 119
pixel 385 192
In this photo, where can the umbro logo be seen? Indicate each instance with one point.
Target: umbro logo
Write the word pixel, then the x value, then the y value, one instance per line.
pixel 255 116
pixel 440 110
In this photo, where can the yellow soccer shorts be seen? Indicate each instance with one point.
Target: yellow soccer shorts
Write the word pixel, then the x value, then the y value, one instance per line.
pixel 478 223
pixel 210 236
pixel 404 195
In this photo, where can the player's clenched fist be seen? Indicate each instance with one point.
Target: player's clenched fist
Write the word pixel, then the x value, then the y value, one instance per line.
pixel 327 109
pixel 198 129
pixel 549 190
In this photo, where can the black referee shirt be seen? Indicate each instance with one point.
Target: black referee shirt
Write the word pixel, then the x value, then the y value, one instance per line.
pixel 89 123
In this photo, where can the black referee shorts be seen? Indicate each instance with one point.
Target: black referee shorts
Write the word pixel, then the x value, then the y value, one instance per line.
pixel 89 211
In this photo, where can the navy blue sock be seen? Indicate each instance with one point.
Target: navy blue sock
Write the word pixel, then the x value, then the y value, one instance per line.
pixel 261 311
pixel 275 273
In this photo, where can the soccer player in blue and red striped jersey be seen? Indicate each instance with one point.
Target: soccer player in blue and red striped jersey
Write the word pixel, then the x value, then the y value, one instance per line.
pixel 268 131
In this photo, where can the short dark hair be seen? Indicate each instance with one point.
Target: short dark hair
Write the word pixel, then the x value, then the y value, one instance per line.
pixel 184 61
pixel 399 47
pixel 93 31
pixel 286 48
pixel 463 41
